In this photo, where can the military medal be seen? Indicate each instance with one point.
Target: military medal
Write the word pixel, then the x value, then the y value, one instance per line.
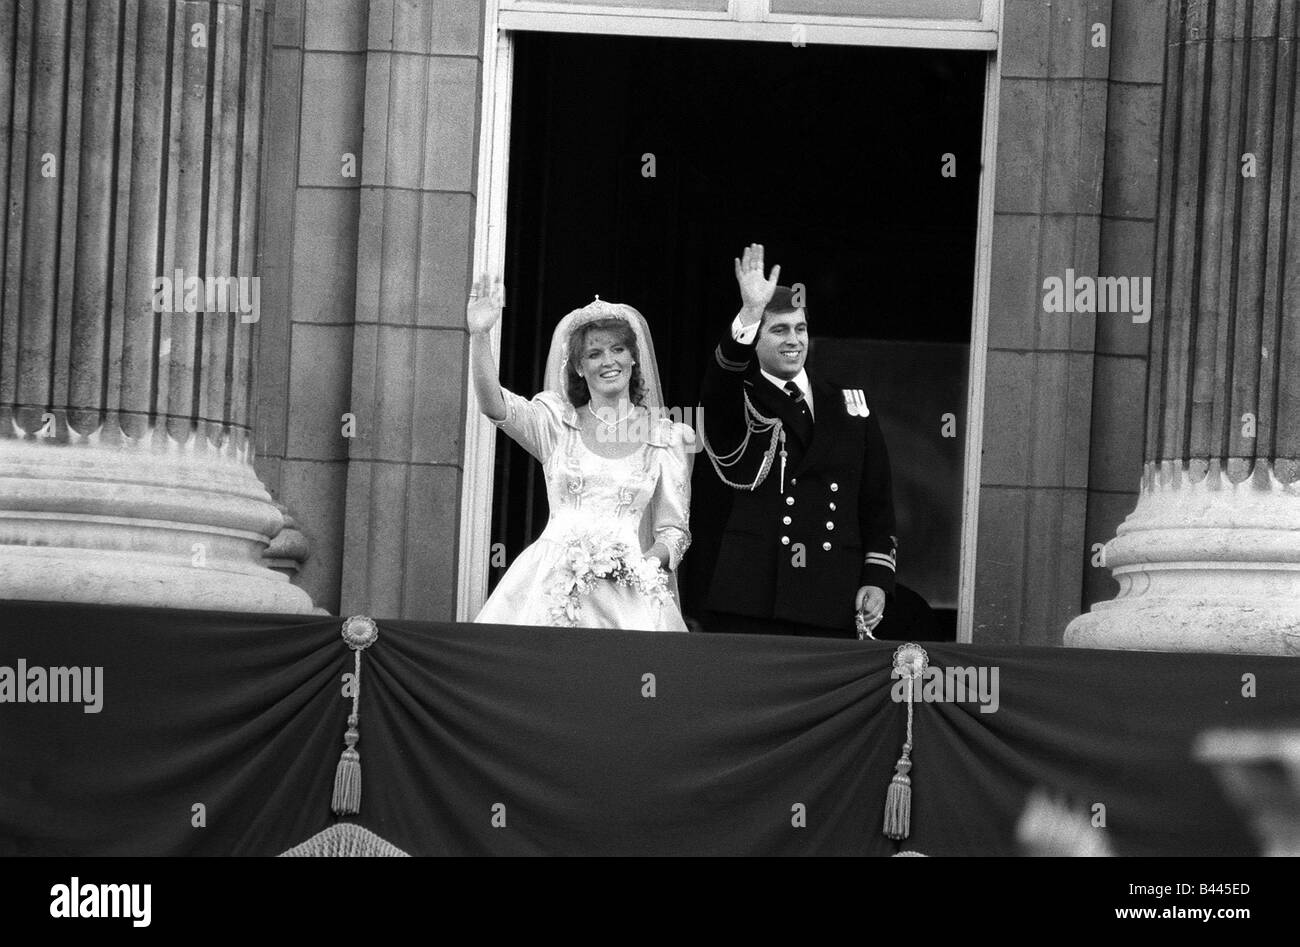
pixel 855 402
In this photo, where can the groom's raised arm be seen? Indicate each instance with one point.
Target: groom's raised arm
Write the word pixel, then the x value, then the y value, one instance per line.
pixel 722 393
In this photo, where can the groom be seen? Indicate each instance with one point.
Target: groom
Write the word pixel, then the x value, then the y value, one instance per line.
pixel 808 543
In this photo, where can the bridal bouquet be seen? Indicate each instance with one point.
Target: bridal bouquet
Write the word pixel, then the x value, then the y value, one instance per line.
pixel 589 558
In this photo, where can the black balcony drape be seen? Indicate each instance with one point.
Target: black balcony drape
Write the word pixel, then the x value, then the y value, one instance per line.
pixel 244 715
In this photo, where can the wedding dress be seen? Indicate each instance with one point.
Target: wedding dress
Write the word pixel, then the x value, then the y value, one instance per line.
pixel 596 503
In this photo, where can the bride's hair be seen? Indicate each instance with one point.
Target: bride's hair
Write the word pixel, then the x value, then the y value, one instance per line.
pixel 576 385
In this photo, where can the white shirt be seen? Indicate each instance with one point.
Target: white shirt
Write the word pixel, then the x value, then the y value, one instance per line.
pixel 744 334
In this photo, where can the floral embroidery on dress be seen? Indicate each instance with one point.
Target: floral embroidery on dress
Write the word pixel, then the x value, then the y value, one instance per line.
pixel 626 497
pixel 683 489
pixel 576 482
pixel 676 541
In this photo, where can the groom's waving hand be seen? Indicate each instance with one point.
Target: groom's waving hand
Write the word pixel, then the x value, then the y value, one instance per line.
pixel 755 289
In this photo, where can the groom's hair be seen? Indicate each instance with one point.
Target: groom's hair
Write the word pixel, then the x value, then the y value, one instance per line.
pixel 781 304
pixel 576 385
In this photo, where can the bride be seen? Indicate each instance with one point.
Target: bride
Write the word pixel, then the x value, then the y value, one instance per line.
pixel 618 475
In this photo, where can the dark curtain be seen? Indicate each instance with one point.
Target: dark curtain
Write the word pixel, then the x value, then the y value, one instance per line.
pixel 244 714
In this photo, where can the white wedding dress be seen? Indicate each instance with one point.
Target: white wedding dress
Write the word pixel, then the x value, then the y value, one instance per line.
pixel 639 499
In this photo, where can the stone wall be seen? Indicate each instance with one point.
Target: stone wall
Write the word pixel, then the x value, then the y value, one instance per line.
pixel 1077 170
pixel 372 271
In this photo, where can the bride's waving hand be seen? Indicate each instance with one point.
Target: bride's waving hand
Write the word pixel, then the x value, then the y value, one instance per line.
pixel 486 301
pixel 534 424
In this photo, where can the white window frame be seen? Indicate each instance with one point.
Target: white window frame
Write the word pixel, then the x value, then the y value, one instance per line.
pixel 752 20
pixel 744 20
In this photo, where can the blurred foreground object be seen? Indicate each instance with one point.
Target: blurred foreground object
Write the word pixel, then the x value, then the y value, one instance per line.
pixel 1260 772
pixel 1050 827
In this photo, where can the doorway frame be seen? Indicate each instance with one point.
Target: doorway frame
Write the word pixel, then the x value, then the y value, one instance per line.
pixel 748 21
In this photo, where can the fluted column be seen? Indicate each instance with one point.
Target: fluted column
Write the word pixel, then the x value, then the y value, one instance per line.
pixel 132 153
pixel 1210 559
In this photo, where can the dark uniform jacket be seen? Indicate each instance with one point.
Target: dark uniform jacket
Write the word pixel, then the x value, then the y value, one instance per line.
pixel 796 551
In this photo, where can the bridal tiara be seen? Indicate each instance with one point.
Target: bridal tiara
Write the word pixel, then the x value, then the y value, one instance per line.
pixel 599 309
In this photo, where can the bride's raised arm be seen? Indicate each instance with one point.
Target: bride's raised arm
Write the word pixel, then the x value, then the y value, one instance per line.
pixel 534 424
pixel 485 303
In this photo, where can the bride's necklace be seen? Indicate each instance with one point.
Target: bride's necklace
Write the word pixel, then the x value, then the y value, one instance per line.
pixel 610 424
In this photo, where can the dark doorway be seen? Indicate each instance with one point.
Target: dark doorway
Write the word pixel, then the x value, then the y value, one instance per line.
pixel 830 156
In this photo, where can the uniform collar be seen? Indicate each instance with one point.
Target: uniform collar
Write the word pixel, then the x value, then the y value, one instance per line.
pixel 801 380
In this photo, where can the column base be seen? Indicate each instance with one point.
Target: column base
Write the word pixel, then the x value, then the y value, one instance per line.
pixel 93 577
pixel 149 522
pixel 1203 565
pixel 1189 624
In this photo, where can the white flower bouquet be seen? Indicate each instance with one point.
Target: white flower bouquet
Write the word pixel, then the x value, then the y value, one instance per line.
pixel 589 558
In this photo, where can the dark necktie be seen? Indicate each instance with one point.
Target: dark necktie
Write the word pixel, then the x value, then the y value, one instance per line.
pixel 796 394
pixel 805 416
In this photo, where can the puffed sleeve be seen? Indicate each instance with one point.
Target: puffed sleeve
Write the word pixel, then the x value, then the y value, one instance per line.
pixel 671 504
pixel 534 425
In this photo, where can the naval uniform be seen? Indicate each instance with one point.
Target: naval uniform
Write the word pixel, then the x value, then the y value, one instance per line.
pixel 805 534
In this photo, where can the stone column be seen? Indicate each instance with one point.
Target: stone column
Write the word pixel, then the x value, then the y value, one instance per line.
pixel 1038 397
pixel 134 133
pixel 1210 559
pixel 414 240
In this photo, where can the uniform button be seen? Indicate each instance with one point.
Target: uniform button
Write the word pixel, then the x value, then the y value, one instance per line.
pixel 832 506
pixel 830 525
pixel 789 501
pixel 785 520
pixel 785 540
pixel 834 487
pixel 826 546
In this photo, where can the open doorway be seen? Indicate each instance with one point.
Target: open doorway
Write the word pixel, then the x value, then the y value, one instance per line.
pixel 640 166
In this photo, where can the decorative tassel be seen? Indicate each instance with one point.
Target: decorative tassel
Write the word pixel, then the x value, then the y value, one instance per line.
pixel 360 633
pixel 910 660
pixel 347 778
pixel 898 800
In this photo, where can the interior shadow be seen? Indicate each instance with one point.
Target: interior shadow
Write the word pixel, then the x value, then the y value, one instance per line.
pixel 639 167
